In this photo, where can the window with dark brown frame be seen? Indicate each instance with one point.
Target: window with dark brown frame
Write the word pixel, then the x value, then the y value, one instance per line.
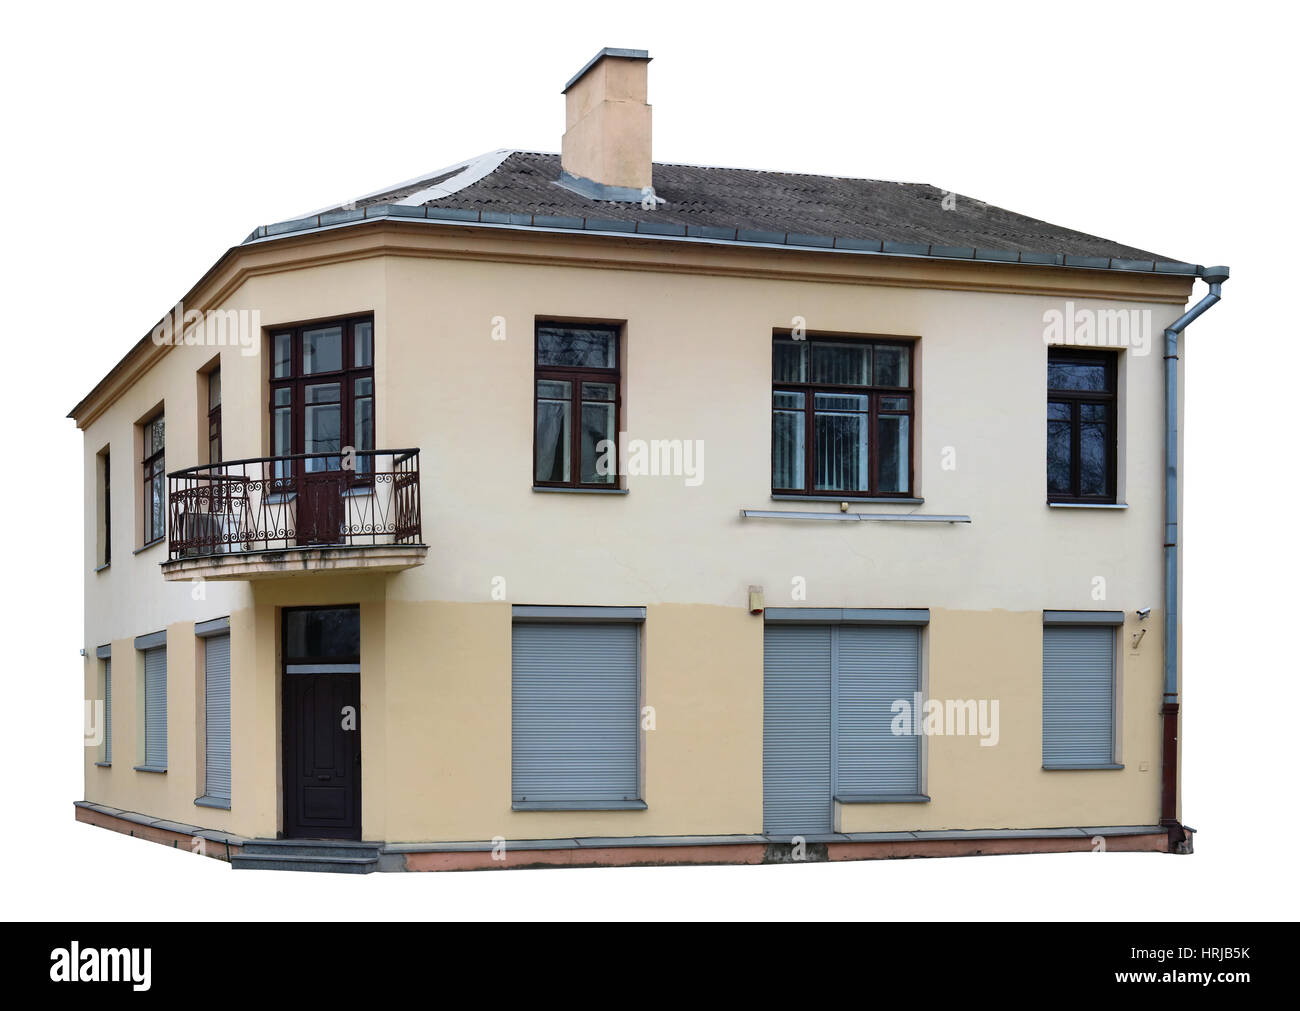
pixel 108 509
pixel 842 411
pixel 153 473
pixel 323 393
pixel 214 416
pixel 1081 426
pixel 576 405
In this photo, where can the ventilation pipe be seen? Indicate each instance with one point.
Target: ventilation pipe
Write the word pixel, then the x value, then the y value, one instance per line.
pixel 1214 277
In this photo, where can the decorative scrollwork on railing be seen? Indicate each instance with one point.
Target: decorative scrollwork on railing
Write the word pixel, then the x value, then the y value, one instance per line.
pixel 304 500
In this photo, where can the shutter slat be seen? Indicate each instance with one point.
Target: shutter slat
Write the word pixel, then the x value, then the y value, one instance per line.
pixel 797 729
pixel 878 665
pixel 1078 695
pixel 155 707
pixel 216 701
pixel 575 712
pixel 868 668
pixel 108 711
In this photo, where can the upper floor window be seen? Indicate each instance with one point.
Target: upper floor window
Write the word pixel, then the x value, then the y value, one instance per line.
pixel 323 393
pixel 153 476
pixel 1081 425
pixel 842 417
pixel 105 495
pixel 576 401
pixel 214 416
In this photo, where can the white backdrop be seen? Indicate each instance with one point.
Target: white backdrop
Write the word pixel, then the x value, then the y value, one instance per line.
pixel 142 140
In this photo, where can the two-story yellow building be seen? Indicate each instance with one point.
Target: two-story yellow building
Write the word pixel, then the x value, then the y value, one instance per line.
pixel 581 509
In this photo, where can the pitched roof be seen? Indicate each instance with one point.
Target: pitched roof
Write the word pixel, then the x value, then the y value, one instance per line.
pixel 765 206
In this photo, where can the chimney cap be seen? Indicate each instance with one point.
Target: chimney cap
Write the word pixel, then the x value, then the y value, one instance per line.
pixel 626 54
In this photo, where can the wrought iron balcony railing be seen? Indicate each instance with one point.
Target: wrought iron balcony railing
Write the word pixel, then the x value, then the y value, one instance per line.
pixel 358 499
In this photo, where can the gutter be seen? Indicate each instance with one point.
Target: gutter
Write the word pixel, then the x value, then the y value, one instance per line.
pixel 709 234
pixel 1178 838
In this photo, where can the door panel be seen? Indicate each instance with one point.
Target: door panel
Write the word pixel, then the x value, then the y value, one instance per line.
pixel 322 790
pixel 320 498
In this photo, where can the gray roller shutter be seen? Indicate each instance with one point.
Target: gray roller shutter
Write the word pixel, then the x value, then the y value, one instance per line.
pixel 1078 696
pixel 575 712
pixel 108 711
pixel 216 703
pixel 876 666
pixel 155 707
pixel 797 729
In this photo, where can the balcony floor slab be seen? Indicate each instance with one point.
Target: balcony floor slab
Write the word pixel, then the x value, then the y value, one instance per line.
pixel 282 562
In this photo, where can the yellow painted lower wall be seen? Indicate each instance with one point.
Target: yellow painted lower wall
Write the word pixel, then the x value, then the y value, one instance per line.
pixel 436 722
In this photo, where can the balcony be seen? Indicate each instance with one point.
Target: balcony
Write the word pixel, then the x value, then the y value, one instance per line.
pixel 282 516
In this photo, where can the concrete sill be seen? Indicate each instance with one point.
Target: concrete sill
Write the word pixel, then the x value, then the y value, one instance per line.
pixel 150 768
pixel 1087 505
pixel 152 544
pixel 217 802
pixel 101 568
pixel 882 798
pixel 582 491
pixel 578 805
pixel 1081 768
pixel 104 765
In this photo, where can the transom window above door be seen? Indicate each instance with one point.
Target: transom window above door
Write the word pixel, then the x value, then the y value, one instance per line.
pixel 842 412
pixel 323 392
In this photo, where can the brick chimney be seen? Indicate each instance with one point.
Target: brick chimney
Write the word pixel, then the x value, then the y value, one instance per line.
pixel 605 153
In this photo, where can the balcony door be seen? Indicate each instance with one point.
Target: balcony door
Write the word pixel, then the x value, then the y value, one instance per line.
pixel 322 422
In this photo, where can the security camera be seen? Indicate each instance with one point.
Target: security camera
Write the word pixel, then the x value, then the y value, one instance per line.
pixel 1144 613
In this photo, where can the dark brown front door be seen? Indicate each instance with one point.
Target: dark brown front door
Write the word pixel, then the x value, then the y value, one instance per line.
pixel 322 723
pixel 323 756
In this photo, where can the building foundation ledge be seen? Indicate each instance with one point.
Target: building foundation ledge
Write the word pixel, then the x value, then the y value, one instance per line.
pixel 615 851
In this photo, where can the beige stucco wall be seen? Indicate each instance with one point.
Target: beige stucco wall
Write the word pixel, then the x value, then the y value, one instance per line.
pixel 698 324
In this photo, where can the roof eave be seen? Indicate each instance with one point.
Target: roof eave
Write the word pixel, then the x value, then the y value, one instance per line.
pixel 712 234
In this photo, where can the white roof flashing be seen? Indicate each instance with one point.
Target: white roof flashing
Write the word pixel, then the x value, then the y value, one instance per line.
pixel 471 171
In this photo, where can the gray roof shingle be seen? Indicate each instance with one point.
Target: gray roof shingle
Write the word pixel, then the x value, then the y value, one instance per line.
pixel 779 203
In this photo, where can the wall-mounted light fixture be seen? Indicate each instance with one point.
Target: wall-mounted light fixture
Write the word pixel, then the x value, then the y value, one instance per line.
pixel 755 600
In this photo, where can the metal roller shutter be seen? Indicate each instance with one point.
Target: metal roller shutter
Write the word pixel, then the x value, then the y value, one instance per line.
pixel 876 666
pixel 155 707
pixel 1078 695
pixel 216 701
pixel 575 712
pixel 797 729
pixel 108 711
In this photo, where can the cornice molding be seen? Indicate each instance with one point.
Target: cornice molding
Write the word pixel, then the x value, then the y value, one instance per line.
pixel 384 237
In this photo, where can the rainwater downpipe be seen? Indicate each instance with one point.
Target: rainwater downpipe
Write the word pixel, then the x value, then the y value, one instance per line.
pixel 1214 277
